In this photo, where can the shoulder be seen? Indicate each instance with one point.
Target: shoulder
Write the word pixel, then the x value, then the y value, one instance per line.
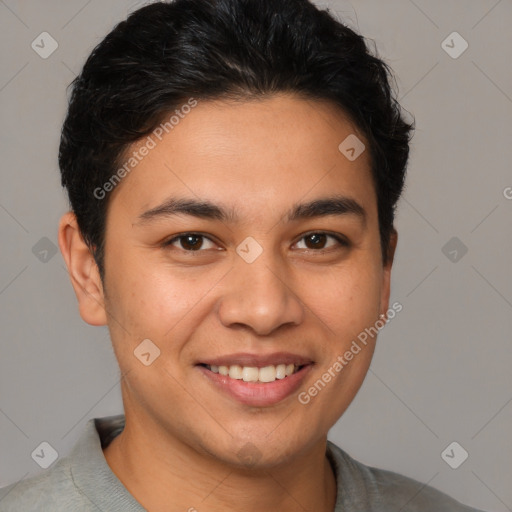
pixel 361 486
pixel 52 490
pixel 80 481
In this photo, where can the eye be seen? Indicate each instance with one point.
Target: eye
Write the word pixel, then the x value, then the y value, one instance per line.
pixel 319 241
pixel 190 242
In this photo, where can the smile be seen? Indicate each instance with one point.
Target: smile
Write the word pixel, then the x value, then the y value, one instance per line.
pixel 256 386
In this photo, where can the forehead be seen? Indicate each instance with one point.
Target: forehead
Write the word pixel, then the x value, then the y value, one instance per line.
pixel 255 155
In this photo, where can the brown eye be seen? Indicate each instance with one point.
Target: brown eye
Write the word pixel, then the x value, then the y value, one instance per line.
pixel 190 242
pixel 315 241
pixel 322 241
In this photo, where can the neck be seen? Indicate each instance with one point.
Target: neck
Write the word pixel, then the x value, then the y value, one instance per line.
pixel 164 474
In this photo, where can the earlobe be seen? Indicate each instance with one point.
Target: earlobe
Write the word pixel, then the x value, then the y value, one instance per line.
pixel 83 271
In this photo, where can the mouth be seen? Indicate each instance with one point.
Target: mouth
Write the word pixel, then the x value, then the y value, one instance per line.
pixel 254 381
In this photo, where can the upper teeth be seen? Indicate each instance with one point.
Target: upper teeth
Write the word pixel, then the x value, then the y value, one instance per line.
pixel 254 374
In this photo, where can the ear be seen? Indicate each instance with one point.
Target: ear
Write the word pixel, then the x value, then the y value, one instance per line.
pixel 83 271
pixel 386 276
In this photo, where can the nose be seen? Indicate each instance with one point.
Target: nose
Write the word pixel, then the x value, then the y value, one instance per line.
pixel 260 298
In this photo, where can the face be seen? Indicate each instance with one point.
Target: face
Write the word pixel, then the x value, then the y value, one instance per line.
pixel 244 243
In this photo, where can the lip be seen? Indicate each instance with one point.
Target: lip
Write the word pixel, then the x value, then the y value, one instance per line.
pixel 257 394
pixel 258 360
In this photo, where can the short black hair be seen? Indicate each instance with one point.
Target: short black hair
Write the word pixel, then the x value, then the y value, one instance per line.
pixel 168 52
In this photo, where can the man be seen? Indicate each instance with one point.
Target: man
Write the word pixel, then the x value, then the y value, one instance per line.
pixel 233 167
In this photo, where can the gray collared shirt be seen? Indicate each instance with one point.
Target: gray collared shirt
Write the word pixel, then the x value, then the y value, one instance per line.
pixel 83 482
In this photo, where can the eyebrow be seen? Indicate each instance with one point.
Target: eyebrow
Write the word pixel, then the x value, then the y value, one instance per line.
pixel 321 207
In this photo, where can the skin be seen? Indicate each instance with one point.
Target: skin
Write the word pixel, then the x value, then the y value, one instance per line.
pixel 258 159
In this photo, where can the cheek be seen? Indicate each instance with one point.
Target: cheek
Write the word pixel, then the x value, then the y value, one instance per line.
pixel 346 299
pixel 350 307
pixel 158 302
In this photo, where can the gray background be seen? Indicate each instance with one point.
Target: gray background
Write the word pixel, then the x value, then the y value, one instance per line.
pixel 441 372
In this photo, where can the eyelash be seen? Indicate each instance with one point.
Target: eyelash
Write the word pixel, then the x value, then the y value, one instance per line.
pixel 341 241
